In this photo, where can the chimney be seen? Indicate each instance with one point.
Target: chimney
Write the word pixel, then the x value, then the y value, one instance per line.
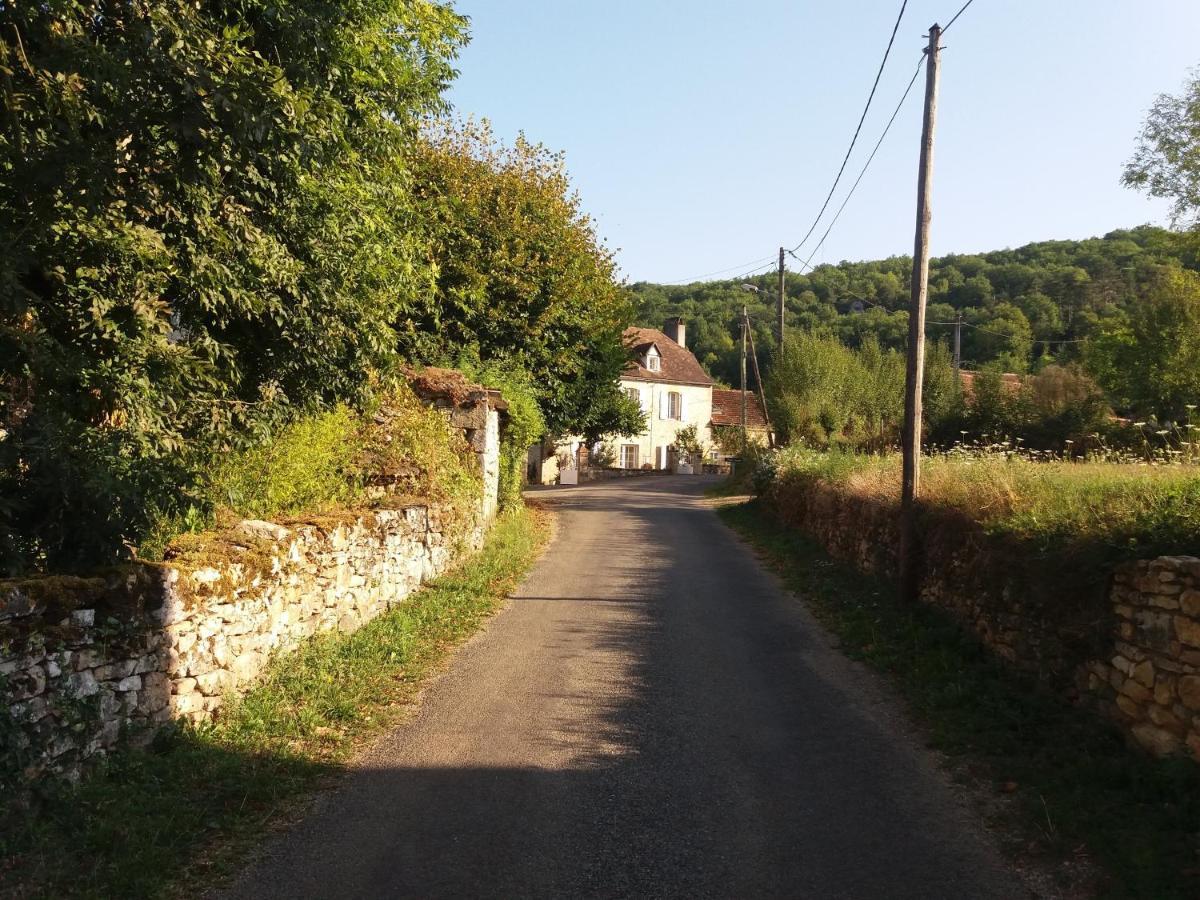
pixel 676 330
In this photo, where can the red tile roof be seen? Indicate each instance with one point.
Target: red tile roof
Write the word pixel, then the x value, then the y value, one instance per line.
pixel 727 409
pixel 679 365
pixel 1008 381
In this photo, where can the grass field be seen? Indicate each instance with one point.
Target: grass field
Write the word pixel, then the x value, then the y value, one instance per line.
pixel 165 821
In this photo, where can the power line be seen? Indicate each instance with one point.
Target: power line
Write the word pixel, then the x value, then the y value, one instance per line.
pixel 719 271
pixel 1012 336
pixel 956 15
pixel 867 165
pixel 857 130
pixel 761 268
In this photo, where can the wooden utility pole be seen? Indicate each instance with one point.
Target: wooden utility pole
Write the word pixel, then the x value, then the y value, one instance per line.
pixel 745 337
pixel 958 326
pixel 782 295
pixel 910 553
pixel 762 391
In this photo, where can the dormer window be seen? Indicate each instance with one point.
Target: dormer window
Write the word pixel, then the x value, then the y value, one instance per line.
pixel 653 360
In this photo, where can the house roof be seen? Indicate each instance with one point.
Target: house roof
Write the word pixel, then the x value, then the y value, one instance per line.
pixel 679 365
pixel 1008 381
pixel 727 409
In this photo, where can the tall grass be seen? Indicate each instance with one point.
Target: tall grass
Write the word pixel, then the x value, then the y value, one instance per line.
pixel 1128 508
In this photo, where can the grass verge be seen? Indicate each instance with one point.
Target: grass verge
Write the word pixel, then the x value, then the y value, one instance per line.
pixel 170 819
pixel 1072 781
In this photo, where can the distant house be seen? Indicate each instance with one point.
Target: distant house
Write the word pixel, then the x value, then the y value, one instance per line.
pixel 727 416
pixel 673 390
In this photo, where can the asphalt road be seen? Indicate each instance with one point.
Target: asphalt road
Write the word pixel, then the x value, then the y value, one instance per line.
pixel 653 716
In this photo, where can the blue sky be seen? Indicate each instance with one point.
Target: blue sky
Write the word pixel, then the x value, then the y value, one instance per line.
pixel 702 134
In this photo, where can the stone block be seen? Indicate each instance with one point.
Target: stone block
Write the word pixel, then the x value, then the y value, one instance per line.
pixel 1164 690
pixel 84 618
pixel 83 684
pixel 131 683
pixel 1189 602
pixel 1158 741
pixel 115 671
pixel 1167 720
pixel 183 685
pixel 155 693
pixel 246 667
pixel 1187 630
pixel 1153 628
pixel 214 683
pixel 188 704
pixel 256 528
pixel 1189 692
pixel 1136 692
pixel 86 658
pixel 110 703
pixel 1129 707
pixel 1143 673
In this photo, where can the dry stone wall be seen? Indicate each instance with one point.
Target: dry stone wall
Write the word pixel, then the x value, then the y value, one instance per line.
pixel 1150 681
pixel 1127 643
pixel 87 664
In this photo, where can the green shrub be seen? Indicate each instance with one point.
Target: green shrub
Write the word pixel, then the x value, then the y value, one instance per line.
pixel 330 460
pixel 825 394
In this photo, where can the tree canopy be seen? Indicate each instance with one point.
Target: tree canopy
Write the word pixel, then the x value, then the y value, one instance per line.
pixel 222 218
pixel 1167 160
pixel 519 276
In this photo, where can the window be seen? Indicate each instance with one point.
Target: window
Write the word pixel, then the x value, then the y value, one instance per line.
pixel 675 405
pixel 629 456
pixel 634 394
pixel 653 361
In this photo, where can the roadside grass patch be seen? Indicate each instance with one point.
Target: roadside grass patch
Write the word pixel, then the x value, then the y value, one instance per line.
pixel 170 820
pixel 1071 778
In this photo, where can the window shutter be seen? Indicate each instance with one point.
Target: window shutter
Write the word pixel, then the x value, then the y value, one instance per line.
pixel 644 400
pixel 664 404
pixel 682 406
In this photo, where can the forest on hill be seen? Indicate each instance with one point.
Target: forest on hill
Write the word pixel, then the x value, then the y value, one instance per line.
pixel 1122 307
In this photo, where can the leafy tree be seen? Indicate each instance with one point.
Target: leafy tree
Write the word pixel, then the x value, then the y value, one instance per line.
pixel 1167 160
pixel 519 276
pixel 1003 337
pixel 208 231
pixel 1151 361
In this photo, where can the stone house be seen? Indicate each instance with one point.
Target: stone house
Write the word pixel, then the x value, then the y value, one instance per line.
pixel 727 418
pixel 673 390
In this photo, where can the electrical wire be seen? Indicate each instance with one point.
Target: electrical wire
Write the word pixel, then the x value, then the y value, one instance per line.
pixel 808 262
pixel 956 15
pixel 861 120
pixel 719 271
pixel 1011 336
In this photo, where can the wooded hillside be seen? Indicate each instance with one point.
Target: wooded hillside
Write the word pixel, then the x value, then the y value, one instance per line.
pixel 1122 306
